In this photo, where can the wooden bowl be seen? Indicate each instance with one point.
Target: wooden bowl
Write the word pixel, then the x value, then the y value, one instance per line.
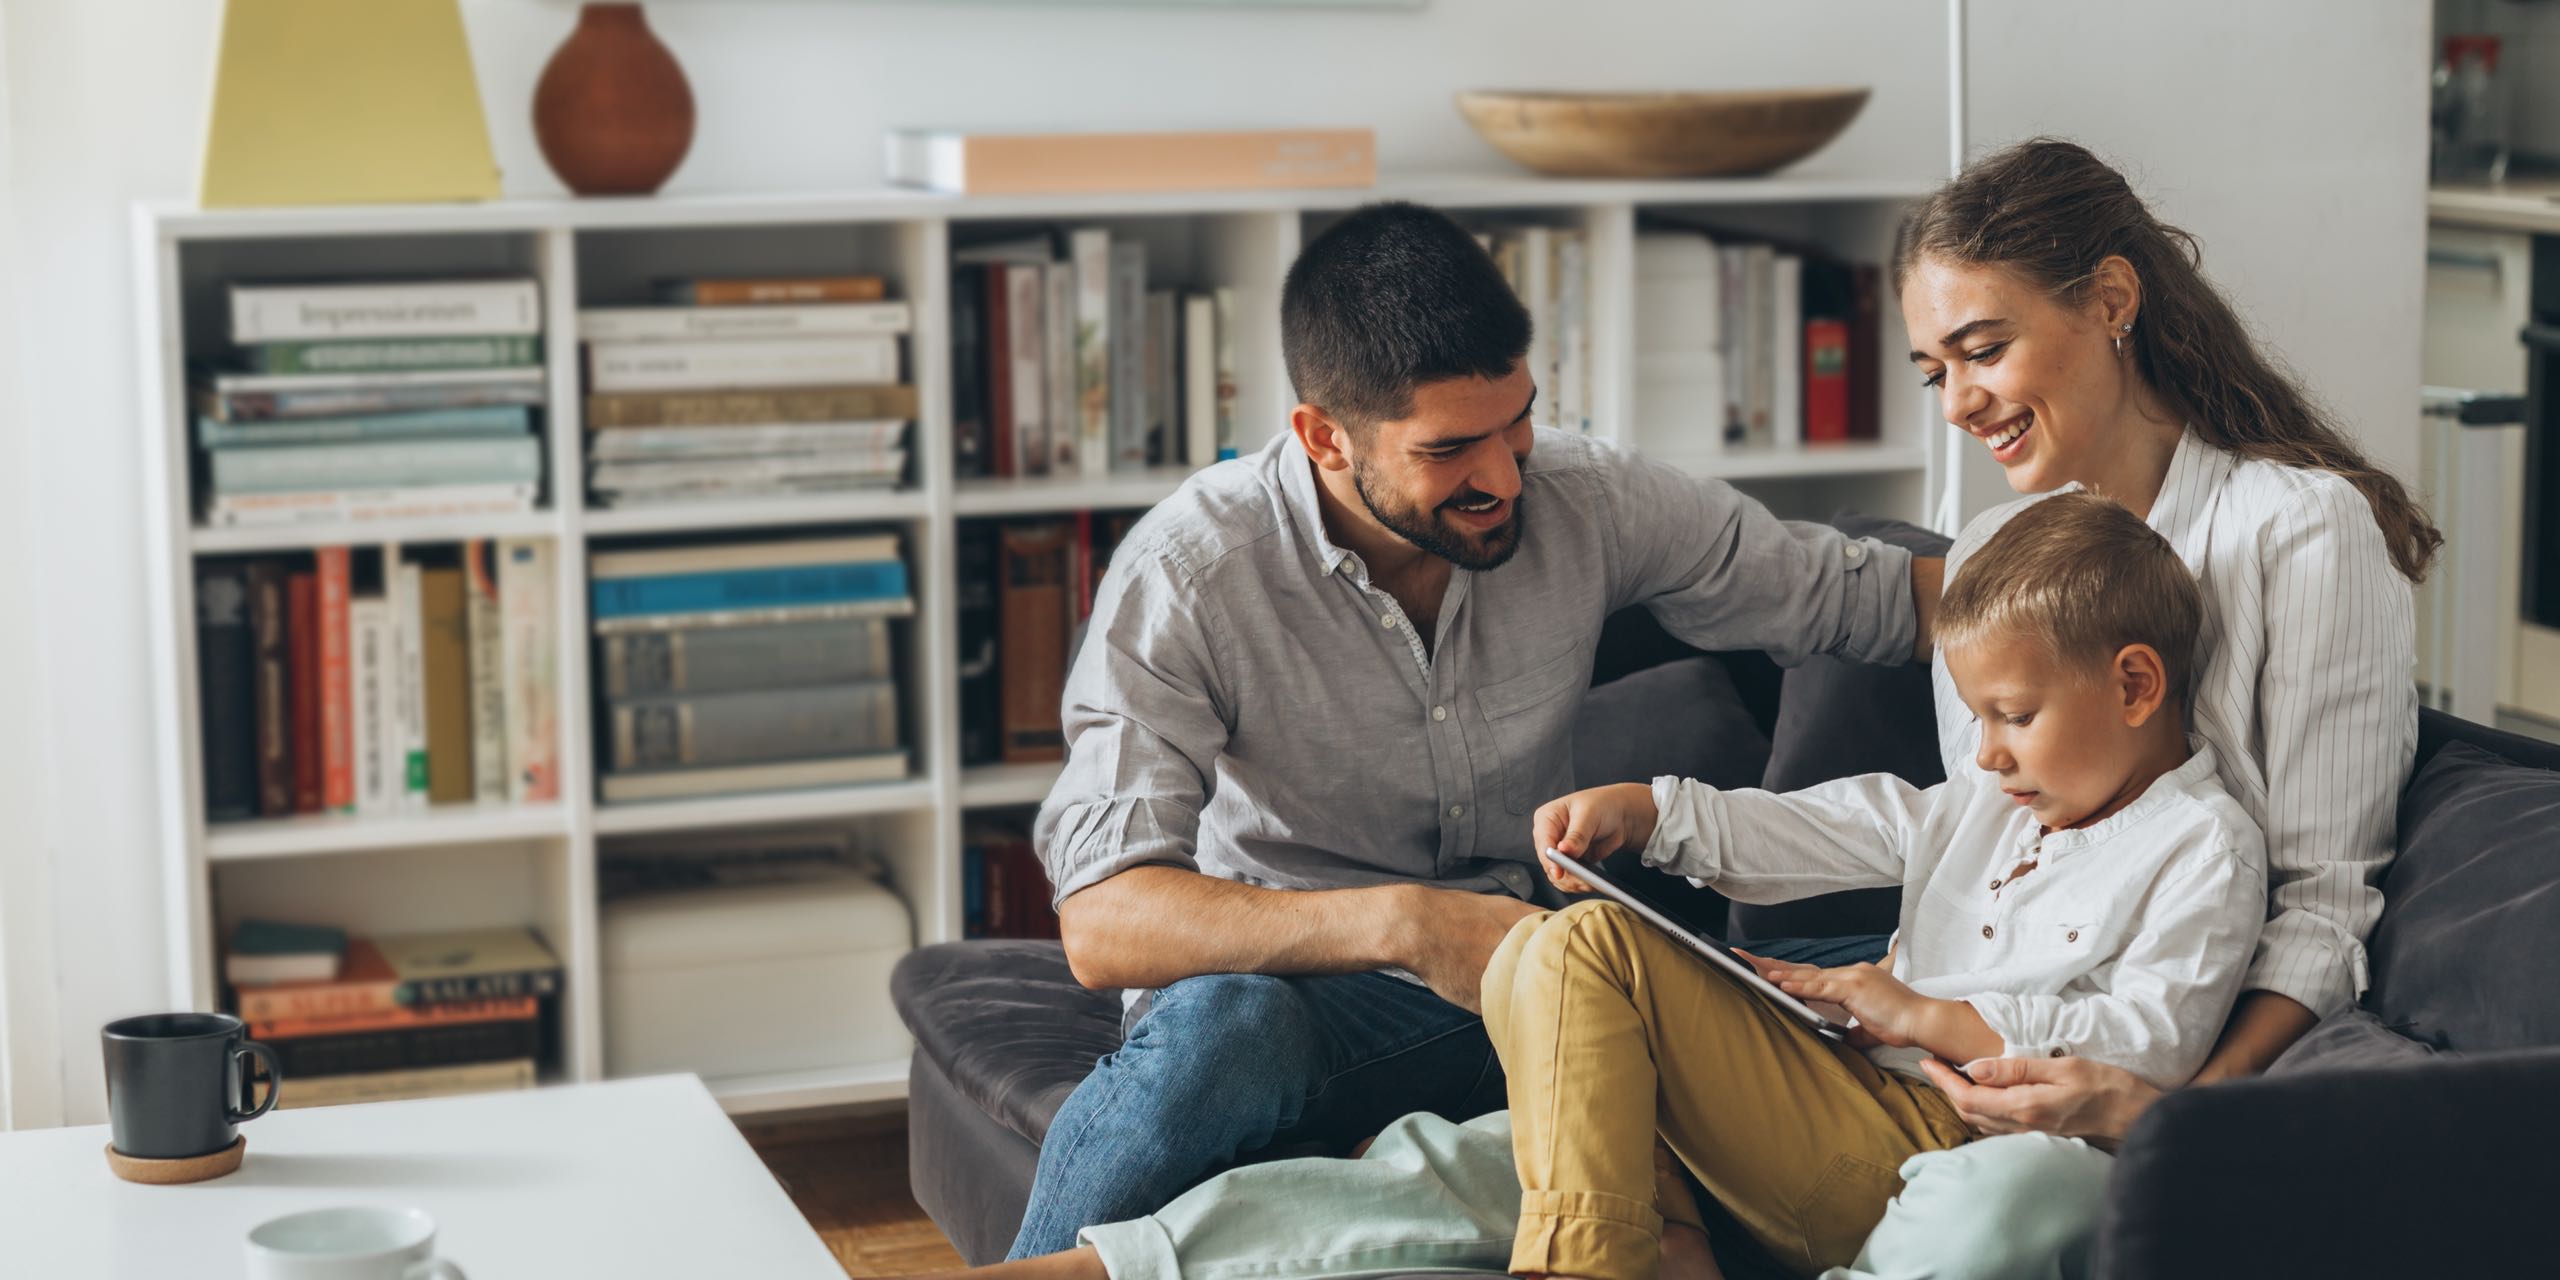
pixel 1661 135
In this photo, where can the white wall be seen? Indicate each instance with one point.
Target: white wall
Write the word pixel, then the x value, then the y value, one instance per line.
pixel 106 104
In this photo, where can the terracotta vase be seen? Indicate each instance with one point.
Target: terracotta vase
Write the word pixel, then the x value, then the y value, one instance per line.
pixel 613 112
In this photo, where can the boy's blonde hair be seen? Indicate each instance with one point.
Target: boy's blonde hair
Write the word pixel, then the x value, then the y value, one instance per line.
pixel 2083 577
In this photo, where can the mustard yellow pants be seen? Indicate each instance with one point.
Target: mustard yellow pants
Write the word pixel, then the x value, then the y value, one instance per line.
pixel 1610 1032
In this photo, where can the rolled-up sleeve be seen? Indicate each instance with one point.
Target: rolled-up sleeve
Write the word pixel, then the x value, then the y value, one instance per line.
pixel 1144 727
pixel 2339 711
pixel 1720 572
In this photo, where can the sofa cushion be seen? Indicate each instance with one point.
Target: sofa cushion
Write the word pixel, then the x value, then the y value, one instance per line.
pixel 2353 1039
pixel 1007 1024
pixel 1837 719
pixel 1683 717
pixel 2463 956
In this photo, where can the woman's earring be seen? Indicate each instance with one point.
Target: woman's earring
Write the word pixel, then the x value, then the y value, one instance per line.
pixel 2120 339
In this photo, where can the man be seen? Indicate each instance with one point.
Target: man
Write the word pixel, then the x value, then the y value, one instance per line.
pixel 1323 690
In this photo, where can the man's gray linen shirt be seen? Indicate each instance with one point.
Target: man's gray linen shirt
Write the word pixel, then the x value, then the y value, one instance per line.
pixel 1248 705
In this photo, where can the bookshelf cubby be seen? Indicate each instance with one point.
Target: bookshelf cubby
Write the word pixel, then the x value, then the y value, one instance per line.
pixel 466 865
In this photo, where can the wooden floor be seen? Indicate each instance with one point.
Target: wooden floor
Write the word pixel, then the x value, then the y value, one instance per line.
pixel 849 1177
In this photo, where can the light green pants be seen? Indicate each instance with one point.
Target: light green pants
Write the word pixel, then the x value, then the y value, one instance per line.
pixel 1430 1195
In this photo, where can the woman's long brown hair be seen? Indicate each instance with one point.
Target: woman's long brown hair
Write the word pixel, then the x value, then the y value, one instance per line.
pixel 2050 212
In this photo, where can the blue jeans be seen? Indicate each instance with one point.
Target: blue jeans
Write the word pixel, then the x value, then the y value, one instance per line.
pixel 1829 953
pixel 1227 1064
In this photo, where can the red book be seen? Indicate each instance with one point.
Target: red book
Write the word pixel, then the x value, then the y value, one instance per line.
pixel 302 671
pixel 400 1019
pixel 337 675
pixel 998 346
pixel 1826 379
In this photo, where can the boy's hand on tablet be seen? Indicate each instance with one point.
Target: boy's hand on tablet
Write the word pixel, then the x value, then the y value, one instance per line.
pixel 1587 826
pixel 1889 1012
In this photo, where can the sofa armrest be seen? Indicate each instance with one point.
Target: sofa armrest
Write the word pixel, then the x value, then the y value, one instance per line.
pixel 2445 1166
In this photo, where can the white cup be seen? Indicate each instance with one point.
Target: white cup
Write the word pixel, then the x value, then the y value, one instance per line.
pixel 348 1244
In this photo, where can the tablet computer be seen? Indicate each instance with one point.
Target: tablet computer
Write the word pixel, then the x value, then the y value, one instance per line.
pixel 1716 954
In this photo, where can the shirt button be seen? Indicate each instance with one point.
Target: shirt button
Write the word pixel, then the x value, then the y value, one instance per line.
pixel 1855 553
pixel 1387 620
pixel 1995 885
pixel 1457 811
pixel 1986 931
pixel 2073 936
pixel 1439 713
pixel 2056 1053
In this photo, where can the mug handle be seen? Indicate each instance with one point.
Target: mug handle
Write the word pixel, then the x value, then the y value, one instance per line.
pixel 275 1081
pixel 433 1269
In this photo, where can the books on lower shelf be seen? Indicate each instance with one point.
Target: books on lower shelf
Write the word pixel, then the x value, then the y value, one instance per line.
pixel 1026 590
pixel 741 389
pixel 727 667
pixel 372 400
pixel 336 683
pixel 1004 891
pixel 1068 359
pixel 1746 344
pixel 410 1015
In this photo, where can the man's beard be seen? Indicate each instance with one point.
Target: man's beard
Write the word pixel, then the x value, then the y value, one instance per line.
pixel 1430 530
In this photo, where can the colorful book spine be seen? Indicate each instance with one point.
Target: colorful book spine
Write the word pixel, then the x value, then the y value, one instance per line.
pixel 408 591
pixel 337 681
pixel 386 464
pixel 375 706
pixel 712 408
pixel 1826 380
pixel 344 402
pixel 750 589
pixel 1225 306
pixel 527 578
pixel 400 1018
pixel 302 662
pixel 484 421
pixel 430 309
pixel 1026 347
pixel 768 291
pixel 1058 364
pixel 484 616
pixel 996 373
pixel 226 664
pixel 655 324
pixel 1033 615
pixel 270 627
pixel 1089 251
pixel 736 659
pixel 485 351
pixel 446 674
pixel 724 363
pixel 392 1086
pixel 1129 411
pixel 754 726
pixel 408 1048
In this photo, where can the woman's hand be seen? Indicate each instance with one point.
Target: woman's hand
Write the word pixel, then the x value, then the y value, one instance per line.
pixel 1587 826
pixel 2070 1097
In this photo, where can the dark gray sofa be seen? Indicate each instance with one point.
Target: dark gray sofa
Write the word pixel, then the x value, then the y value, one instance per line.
pixel 2418 1136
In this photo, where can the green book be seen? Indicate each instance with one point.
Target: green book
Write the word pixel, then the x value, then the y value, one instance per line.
pixel 388 355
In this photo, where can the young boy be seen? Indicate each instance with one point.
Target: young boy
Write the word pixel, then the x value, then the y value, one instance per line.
pixel 2089 890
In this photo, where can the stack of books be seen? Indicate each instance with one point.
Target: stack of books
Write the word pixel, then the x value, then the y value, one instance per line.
pixel 334 682
pixel 408 1016
pixel 1065 361
pixel 1026 592
pixel 758 666
pixel 374 400
pixel 1550 270
pixel 1004 891
pixel 736 389
pixel 1747 344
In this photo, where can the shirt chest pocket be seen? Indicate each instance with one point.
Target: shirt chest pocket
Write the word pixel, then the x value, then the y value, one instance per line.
pixel 1528 720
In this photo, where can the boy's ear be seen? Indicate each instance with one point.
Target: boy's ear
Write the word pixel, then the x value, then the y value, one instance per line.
pixel 1326 441
pixel 2141 683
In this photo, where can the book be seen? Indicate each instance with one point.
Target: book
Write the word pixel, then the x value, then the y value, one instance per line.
pixel 445 673
pixel 1089 254
pixel 961 163
pixel 382 464
pixel 1128 302
pixel 727 291
pixel 972 432
pixel 374 704
pixel 343 402
pixel 717 364
pixel 753 726
pixel 786 775
pixel 483 351
pixel 1199 379
pixel 720 473
pixel 879 437
pixel 700 660
pixel 1573 330
pixel 779 615
pixel 738 489
pixel 409 671
pixel 526 582
pixel 1826 380
pixel 440 1044
pixel 337 685
pixel 391 972
pixel 707 408
pixel 271 951
pixel 653 324
pixel 1226 308
pixel 995 374
pixel 359 506
pixel 715 557
pixel 466 422
pixel 302 666
pixel 1164 401
pixel 1033 614
pixel 226 665
pixel 749 589
pixel 384 309
pixel 394 1086
pixel 483 618
pixel 1759 366
pixel 1058 365
pixel 981 706
pixel 1866 342
pixel 1027 355
pixel 269 624
pixel 1786 350
pixel 226 386
pixel 1733 268
pixel 401 1018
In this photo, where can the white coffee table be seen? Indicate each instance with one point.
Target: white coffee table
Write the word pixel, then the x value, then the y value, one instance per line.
pixel 633 1180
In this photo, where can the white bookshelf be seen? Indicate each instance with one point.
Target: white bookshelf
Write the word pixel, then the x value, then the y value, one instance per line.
pixel 536 865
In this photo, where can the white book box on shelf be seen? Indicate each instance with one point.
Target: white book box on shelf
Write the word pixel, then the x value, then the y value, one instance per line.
pixel 469 865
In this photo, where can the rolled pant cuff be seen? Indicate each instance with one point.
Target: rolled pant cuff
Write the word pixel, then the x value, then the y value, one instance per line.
pixel 1584 1233
pixel 1139 1249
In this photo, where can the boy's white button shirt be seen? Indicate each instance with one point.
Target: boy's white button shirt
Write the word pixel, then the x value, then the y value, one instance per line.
pixel 2127 942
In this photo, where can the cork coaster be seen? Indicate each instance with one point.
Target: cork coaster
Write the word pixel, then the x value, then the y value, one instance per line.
pixel 166 1173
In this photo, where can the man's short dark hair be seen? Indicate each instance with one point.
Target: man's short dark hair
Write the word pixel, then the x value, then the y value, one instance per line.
pixel 1394 296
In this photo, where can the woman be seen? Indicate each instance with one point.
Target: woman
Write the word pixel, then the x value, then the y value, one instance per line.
pixel 2074 335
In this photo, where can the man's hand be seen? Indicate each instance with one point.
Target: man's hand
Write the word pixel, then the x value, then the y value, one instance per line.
pixel 1448 937
pixel 2071 1097
pixel 1587 826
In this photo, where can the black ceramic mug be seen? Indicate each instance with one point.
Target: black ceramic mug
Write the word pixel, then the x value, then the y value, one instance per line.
pixel 178 1084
